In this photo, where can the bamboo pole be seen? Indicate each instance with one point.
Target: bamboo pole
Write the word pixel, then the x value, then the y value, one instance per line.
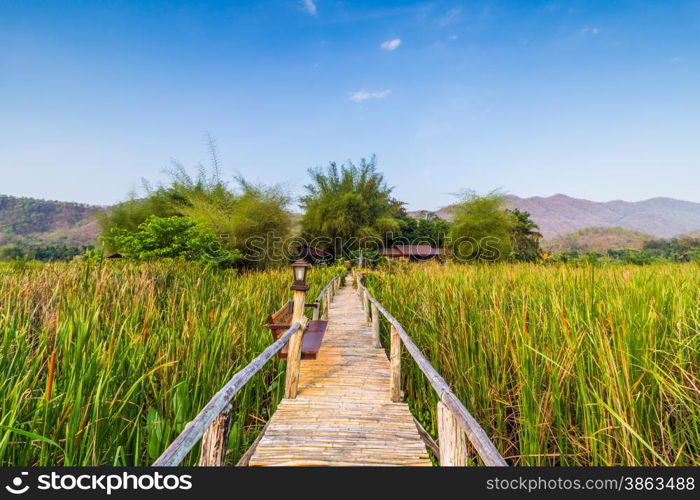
pixel 215 440
pixel 395 361
pixel 453 441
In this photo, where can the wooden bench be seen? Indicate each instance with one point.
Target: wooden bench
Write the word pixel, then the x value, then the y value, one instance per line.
pixel 280 321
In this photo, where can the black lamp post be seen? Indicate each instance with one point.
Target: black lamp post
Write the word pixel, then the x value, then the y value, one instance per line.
pixel 299 268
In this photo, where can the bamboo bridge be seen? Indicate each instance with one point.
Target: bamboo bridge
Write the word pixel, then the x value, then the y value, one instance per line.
pixel 343 408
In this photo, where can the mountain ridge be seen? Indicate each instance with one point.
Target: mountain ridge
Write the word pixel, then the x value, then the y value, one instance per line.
pixel 31 222
pixel 560 214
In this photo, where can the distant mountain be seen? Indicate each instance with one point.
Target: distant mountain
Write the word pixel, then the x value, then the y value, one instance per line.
pixel 598 240
pixel 29 222
pixel 561 214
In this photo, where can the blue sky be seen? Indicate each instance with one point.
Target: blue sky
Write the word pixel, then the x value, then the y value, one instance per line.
pixel 594 99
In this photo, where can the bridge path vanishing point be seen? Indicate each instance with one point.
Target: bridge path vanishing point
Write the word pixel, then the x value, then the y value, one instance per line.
pixel 343 413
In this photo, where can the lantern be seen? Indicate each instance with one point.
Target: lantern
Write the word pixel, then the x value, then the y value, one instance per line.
pixel 299 268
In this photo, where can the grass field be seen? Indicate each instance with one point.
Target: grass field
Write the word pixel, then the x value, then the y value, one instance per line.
pixel 105 364
pixel 570 365
pixel 562 365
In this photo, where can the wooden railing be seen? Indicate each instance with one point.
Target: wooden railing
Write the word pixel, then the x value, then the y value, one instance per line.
pixel 454 420
pixel 324 297
pixel 212 424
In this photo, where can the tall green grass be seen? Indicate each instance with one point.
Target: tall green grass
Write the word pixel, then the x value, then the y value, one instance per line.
pixel 104 364
pixel 561 365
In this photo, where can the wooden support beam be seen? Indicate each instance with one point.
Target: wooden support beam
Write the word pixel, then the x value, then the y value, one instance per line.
pixel 452 439
pixel 291 384
pixel 427 439
pixel 395 362
pixel 215 440
pixel 375 327
pixel 245 459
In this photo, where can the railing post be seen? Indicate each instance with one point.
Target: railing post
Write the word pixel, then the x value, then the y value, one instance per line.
pixel 317 311
pixel 294 350
pixel 375 326
pixel 326 304
pixel 451 439
pixel 395 361
pixel 215 440
pixel 365 301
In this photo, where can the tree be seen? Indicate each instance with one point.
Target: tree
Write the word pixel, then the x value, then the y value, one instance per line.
pixel 250 219
pixel 346 204
pixel 525 237
pixel 247 218
pixel 481 228
pixel 423 228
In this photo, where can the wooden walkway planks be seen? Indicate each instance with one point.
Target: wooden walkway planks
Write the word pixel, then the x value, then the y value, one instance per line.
pixel 343 414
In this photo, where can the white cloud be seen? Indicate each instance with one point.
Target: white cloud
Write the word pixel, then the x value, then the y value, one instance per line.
pixel 592 31
pixel 363 95
pixel 310 7
pixel 391 44
pixel 450 17
pixel 454 37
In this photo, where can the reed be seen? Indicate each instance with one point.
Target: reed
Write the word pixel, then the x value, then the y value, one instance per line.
pixel 104 364
pixel 562 365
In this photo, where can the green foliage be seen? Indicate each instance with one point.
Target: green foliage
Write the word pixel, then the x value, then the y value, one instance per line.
pixel 11 252
pixel 170 237
pixel 346 202
pixel 44 253
pixel 481 228
pixel 682 249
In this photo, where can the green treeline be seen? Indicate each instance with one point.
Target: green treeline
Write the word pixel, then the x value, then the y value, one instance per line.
pixel 348 210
